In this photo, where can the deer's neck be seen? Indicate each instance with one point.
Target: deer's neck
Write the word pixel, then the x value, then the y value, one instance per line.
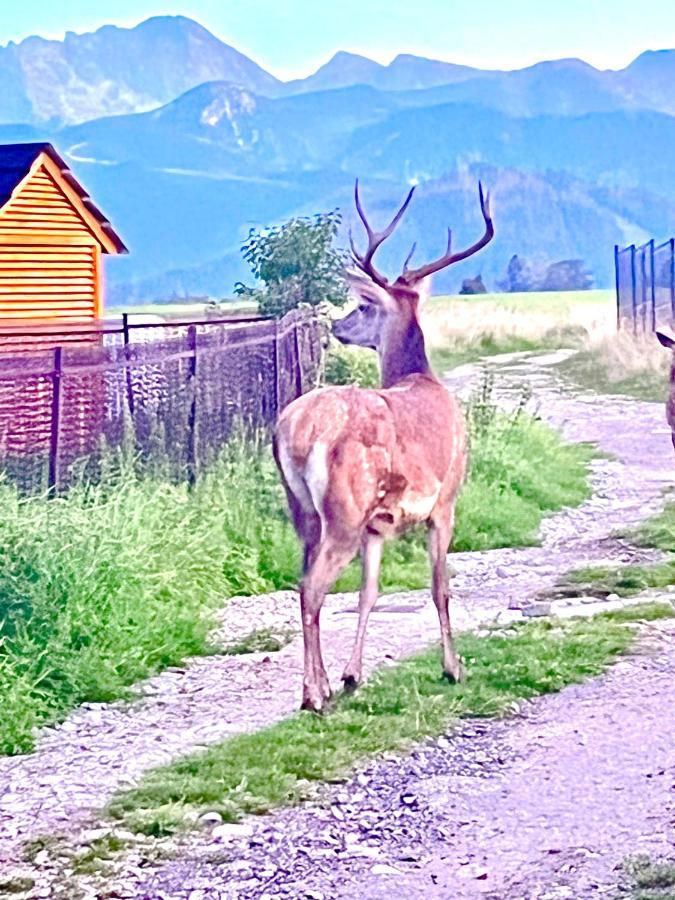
pixel 403 353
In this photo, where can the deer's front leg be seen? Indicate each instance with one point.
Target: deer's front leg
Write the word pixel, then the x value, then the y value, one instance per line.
pixel 438 543
pixel 330 558
pixel 371 557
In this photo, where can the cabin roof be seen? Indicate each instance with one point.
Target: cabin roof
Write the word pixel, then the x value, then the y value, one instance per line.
pixel 16 161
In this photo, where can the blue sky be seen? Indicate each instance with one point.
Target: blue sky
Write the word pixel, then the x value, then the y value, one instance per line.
pixel 293 37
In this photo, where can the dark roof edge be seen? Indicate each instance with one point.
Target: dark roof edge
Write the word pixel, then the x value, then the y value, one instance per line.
pixel 57 159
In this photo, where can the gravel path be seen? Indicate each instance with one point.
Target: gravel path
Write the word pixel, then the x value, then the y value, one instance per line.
pixel 543 805
pixel 78 765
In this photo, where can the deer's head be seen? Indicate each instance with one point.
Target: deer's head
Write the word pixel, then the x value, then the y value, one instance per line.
pixel 387 308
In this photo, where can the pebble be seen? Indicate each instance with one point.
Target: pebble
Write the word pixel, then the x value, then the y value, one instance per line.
pixel 231 830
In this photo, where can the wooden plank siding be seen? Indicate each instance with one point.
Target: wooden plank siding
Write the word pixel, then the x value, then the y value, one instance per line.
pixel 50 262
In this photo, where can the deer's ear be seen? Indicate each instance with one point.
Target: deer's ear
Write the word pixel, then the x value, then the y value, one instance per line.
pixel 665 340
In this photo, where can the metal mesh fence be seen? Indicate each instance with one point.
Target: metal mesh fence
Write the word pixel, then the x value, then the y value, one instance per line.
pixel 170 394
pixel 645 286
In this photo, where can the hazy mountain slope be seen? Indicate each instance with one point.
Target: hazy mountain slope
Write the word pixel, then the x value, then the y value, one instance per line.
pixel 405 72
pixel 219 127
pixel 649 80
pixel 538 216
pixel 621 149
pixel 117 70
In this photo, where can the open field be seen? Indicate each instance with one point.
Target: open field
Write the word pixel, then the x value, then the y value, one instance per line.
pixel 180 310
pixel 528 316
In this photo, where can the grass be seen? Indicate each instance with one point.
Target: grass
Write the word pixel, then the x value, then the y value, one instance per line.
pixel 657 532
pixel 462 329
pixel 650 880
pixel 402 704
pixel 505 323
pixel 623 364
pixel 110 584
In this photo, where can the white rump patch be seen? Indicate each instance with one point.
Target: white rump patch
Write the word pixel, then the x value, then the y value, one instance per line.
pixel 294 479
pixel 316 473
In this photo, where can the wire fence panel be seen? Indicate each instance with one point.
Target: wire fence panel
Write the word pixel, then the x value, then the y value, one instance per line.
pixel 645 286
pixel 171 394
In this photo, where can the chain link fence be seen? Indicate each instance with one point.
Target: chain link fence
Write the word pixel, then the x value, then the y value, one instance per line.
pixel 645 286
pixel 172 394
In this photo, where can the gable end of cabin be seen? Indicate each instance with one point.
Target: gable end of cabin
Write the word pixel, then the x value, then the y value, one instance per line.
pixel 51 241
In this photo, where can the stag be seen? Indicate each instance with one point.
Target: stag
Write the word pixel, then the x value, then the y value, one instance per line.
pixel 360 466
pixel 669 344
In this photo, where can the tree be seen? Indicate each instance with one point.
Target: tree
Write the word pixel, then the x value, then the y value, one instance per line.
pixel 567 275
pixel 473 286
pixel 297 264
pixel 518 276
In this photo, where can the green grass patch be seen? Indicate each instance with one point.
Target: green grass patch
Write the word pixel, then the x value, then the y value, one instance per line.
pixel 111 584
pixel 657 532
pixel 462 350
pixel 649 880
pixel 590 369
pixel 529 302
pixel 398 706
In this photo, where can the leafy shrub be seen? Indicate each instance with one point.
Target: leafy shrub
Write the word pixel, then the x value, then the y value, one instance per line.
pixel 351 365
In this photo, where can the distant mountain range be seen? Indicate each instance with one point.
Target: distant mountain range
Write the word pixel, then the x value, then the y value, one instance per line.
pixel 186 143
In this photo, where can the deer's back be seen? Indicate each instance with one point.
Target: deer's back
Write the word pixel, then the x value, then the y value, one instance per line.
pixel 386 454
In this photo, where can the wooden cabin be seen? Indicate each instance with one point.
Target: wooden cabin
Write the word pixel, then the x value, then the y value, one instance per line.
pixel 51 240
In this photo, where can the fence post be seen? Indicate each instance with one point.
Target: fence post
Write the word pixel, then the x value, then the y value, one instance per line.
pixel 192 414
pixel 617 283
pixel 643 288
pixel 275 396
pixel 298 361
pixel 652 277
pixel 633 287
pixel 127 369
pixel 672 279
pixel 55 426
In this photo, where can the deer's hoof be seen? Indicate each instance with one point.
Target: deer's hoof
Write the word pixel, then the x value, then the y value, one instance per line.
pixel 454 675
pixel 315 699
pixel 350 682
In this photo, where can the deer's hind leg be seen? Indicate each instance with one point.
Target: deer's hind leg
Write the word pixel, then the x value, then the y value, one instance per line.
pixel 438 540
pixel 329 558
pixel 371 557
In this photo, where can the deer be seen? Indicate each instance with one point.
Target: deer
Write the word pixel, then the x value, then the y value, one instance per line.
pixel 669 344
pixel 360 466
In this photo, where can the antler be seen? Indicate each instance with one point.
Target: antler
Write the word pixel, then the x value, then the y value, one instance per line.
pixel 411 276
pixel 375 238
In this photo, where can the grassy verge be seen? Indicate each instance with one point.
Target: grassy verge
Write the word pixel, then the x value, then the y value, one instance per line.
pixel 649 880
pixel 621 364
pixel 110 584
pixel 256 772
pixel 659 533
